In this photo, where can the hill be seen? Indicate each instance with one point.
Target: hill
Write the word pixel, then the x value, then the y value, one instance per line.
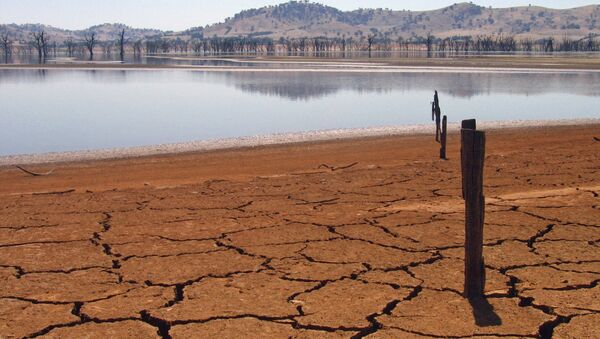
pixel 303 19
pixel 105 32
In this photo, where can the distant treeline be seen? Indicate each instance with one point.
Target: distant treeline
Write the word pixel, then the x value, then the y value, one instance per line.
pixel 41 45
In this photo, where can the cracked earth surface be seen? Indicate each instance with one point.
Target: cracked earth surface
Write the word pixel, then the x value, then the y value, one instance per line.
pixel 345 239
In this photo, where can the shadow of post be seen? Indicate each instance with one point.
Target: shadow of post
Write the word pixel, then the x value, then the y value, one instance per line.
pixel 484 313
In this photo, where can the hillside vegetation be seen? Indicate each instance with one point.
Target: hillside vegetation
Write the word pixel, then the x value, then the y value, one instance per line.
pixel 105 32
pixel 303 19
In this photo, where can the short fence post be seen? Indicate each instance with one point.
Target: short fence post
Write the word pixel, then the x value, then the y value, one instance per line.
pixel 472 157
pixel 444 137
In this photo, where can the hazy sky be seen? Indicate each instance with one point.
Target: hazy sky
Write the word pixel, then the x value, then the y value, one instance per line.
pixel 182 14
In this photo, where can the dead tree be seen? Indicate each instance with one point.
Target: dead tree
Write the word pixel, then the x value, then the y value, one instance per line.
pixel 90 43
pixel 107 48
pixel 70 47
pixel 6 44
pixel 54 48
pixel 121 43
pixel 429 43
pixel 549 45
pixel 137 48
pixel 40 42
pixel 370 41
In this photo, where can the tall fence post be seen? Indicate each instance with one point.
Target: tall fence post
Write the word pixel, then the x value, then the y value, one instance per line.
pixel 472 158
pixel 444 138
pixel 469 124
pixel 438 116
pixel 466 124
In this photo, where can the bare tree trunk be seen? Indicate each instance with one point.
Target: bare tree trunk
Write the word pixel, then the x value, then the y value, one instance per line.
pixel 70 47
pixel 40 41
pixel 90 42
pixel 6 46
pixel 121 43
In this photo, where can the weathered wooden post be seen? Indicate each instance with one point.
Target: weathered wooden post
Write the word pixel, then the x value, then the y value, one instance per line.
pixel 444 137
pixel 438 116
pixel 466 124
pixel 469 124
pixel 472 156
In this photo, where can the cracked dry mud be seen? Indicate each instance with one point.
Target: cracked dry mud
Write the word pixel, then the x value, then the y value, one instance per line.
pixel 272 242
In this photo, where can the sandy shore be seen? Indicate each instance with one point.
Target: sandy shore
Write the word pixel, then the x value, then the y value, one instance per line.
pixel 340 238
pixel 274 139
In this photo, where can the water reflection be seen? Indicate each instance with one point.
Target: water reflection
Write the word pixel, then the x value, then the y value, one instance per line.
pixel 65 110
pixel 312 85
pixel 220 59
pixel 159 60
pixel 315 85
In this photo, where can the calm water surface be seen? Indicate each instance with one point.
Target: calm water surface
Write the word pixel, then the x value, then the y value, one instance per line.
pixel 63 110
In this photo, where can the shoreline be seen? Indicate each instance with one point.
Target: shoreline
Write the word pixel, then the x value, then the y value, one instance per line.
pixel 249 142
pixel 330 68
pixel 584 62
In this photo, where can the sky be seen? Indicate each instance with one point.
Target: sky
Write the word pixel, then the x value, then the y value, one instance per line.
pixel 182 14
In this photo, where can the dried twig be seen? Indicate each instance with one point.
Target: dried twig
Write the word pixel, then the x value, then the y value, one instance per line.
pixel 54 192
pixel 34 173
pixel 333 168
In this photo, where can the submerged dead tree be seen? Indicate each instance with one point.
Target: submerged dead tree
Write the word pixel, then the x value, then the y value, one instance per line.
pixel 6 45
pixel 40 42
pixel 70 44
pixel 429 43
pixel 90 43
pixel 138 47
pixel 121 44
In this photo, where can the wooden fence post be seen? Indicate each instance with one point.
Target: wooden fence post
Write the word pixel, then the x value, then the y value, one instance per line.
pixel 438 124
pixel 473 155
pixel 444 137
pixel 469 124
pixel 438 116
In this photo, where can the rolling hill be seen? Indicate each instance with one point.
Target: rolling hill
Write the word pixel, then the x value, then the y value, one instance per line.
pixel 105 32
pixel 304 19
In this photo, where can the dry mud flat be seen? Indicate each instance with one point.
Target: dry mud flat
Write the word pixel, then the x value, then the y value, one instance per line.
pixel 356 238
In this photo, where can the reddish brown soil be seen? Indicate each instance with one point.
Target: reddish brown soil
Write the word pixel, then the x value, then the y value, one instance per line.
pixel 267 242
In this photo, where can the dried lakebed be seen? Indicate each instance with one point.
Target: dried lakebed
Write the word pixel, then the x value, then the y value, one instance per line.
pixel 343 239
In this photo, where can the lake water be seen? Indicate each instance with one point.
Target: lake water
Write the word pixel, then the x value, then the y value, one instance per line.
pixel 67 110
